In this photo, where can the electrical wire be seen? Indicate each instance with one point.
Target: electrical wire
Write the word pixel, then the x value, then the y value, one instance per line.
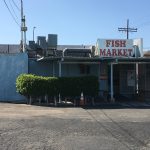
pixel 16 5
pixel 13 9
pixel 11 13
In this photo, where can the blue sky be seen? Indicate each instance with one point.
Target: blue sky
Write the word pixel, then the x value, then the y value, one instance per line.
pixel 77 21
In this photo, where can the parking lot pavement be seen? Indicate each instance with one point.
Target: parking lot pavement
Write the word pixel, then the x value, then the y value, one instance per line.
pixel 124 104
pixel 136 104
pixel 24 127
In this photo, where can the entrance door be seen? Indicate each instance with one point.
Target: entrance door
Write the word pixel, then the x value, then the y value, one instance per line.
pixel 124 81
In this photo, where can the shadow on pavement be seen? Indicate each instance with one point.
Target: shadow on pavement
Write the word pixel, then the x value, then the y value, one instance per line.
pixel 121 105
pixel 102 105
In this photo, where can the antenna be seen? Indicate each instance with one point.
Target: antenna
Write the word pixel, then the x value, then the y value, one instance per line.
pixel 127 29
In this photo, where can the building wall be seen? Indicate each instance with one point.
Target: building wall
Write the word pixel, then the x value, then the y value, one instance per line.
pixel 40 68
pixel 103 71
pixel 75 70
pixel 12 65
pixel 9 48
pixel 68 70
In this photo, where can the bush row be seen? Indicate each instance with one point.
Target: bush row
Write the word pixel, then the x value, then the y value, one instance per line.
pixel 32 85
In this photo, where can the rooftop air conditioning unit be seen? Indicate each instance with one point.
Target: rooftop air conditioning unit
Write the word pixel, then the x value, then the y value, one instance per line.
pixel 51 44
pixel 41 41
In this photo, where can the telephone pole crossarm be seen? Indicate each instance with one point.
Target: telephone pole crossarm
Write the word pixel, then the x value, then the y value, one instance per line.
pixel 127 29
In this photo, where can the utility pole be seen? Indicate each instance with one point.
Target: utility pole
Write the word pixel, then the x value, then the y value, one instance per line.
pixel 23 30
pixel 127 29
pixel 21 42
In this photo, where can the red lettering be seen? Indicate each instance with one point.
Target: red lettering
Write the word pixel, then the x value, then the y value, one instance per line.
pixel 102 52
pixel 130 51
pixel 122 43
pixel 113 43
pixel 108 52
pixel 117 43
pixel 125 52
pixel 108 43
pixel 119 52
pixel 114 52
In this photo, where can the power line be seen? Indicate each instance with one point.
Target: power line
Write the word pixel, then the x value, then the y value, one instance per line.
pixel 11 13
pixel 127 29
pixel 16 5
pixel 13 10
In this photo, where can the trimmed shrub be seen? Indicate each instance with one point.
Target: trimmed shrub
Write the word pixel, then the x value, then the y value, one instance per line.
pixel 69 86
pixel 52 84
pixel 24 84
pixel 31 85
pixel 89 85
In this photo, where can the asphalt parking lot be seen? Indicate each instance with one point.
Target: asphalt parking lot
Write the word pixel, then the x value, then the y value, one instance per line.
pixel 25 127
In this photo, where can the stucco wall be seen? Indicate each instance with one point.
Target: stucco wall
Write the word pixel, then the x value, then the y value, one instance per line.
pixel 42 68
pixel 50 69
pixel 11 65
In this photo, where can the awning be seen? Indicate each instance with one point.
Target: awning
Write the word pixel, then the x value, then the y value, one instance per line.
pixel 68 59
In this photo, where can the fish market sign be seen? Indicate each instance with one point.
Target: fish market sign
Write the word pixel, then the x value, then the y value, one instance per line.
pixel 115 48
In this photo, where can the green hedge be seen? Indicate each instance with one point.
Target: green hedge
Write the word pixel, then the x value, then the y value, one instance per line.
pixel 31 85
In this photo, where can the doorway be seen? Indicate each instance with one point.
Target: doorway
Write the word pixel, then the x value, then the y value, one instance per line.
pixel 124 82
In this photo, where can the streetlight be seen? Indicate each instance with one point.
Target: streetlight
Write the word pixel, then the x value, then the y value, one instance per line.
pixel 33 32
